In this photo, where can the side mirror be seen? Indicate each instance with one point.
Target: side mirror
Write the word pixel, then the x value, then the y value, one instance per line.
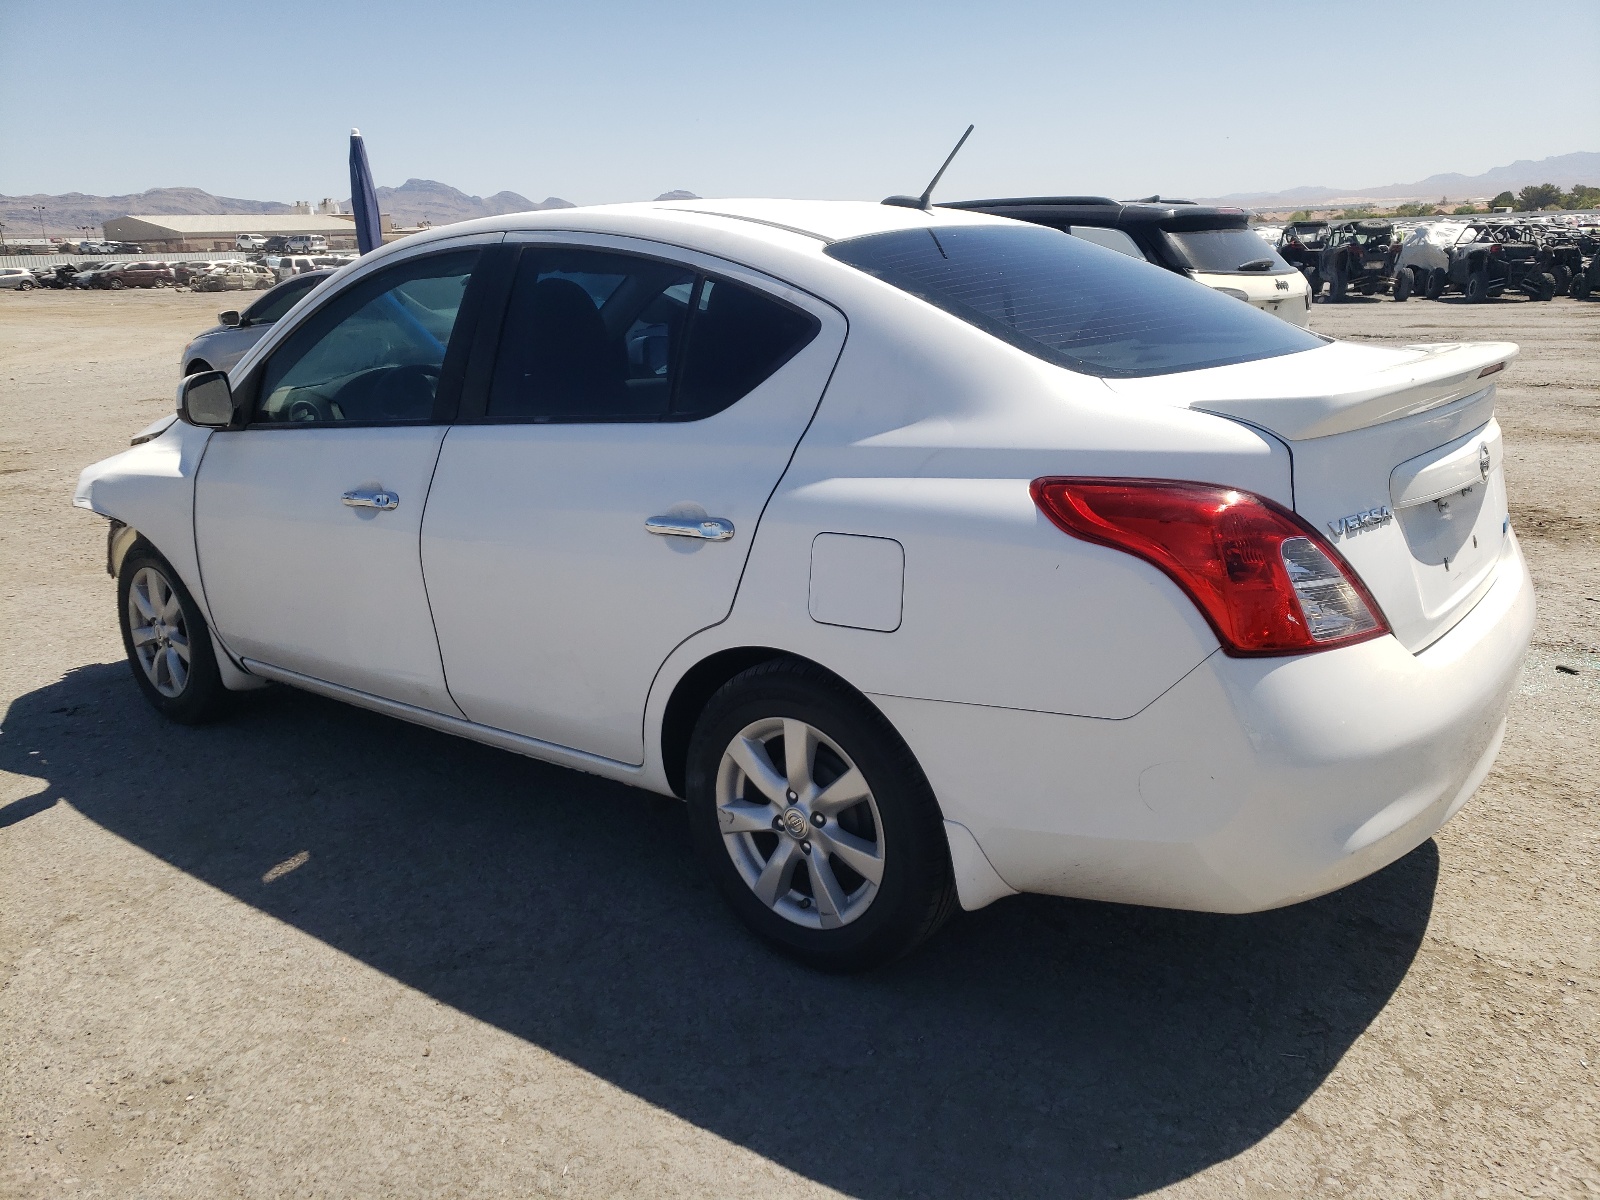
pixel 229 318
pixel 206 399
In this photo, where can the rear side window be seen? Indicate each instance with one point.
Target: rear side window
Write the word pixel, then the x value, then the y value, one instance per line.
pixel 1070 303
pixel 593 335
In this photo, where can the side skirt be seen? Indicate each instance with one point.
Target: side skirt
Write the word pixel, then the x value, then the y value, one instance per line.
pixel 516 743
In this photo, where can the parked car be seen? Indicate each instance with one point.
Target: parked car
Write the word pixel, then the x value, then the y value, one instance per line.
pixel 1214 246
pixel 927 616
pixel 250 241
pixel 1490 258
pixel 1300 245
pixel 1358 256
pixel 1560 253
pixel 19 279
pixel 59 276
pixel 1586 282
pixel 93 275
pixel 184 272
pixel 221 346
pixel 1422 266
pixel 284 266
pixel 276 244
pixel 139 274
pixel 232 276
pixel 306 243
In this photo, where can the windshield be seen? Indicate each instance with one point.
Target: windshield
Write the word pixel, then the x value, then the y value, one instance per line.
pixel 1072 303
pixel 1229 252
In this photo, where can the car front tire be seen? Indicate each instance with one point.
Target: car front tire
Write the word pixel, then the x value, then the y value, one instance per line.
pixel 167 641
pixel 1402 284
pixel 815 821
pixel 1438 280
pixel 1477 288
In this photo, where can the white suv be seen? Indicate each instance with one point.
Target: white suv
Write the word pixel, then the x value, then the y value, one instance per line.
pixel 250 241
pixel 306 243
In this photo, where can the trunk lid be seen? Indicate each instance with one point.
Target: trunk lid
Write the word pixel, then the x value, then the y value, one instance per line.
pixel 1397 460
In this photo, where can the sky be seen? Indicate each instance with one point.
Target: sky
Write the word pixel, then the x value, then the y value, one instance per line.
pixel 604 100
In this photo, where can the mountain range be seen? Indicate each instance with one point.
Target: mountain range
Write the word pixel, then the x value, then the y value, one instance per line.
pixel 1563 170
pixel 418 200
pixel 414 201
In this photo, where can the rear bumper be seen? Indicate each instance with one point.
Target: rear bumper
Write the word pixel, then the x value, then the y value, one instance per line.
pixel 1251 783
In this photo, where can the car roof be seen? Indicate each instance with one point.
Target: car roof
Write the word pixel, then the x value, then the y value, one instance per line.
pixel 716 225
pixel 1058 211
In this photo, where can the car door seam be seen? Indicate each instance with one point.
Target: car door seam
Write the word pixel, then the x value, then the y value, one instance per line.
pixel 750 551
pixel 422 570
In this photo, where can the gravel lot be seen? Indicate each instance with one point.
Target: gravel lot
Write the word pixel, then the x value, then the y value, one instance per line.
pixel 315 952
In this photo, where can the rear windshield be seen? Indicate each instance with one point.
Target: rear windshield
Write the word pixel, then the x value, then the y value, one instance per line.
pixel 1229 252
pixel 1072 303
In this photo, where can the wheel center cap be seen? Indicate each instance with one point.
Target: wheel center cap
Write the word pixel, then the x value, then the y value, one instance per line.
pixel 795 823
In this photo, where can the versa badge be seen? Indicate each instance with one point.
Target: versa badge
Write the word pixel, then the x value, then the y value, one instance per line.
pixel 1360 522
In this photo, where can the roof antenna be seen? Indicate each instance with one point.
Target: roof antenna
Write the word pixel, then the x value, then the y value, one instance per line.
pixel 925 201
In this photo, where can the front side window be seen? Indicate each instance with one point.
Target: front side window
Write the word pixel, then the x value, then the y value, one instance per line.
pixel 374 353
pixel 1072 304
pixel 593 335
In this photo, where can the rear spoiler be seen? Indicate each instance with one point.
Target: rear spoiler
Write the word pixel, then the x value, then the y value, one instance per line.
pixel 1355 387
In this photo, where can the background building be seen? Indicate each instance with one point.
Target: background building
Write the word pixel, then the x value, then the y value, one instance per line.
pixel 176 234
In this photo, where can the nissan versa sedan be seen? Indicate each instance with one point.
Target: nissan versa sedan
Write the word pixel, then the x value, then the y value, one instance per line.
pixel 929 556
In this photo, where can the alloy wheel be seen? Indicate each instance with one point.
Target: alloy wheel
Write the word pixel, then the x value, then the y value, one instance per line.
pixel 800 823
pixel 159 631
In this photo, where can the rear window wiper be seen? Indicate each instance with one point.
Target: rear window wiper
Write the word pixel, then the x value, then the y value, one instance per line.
pixel 1256 264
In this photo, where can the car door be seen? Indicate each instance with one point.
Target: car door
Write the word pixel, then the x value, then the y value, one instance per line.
pixel 306 521
pixel 637 395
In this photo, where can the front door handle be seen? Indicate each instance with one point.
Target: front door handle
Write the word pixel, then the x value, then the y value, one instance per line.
pixel 712 529
pixel 372 498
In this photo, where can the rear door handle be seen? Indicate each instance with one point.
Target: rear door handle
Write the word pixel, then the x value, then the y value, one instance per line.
pixel 372 498
pixel 712 529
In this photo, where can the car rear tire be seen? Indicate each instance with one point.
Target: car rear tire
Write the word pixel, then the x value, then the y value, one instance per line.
pixel 167 641
pixel 815 821
pixel 1563 277
pixel 1339 285
pixel 1314 282
pixel 1402 284
pixel 1547 286
pixel 1477 288
pixel 1578 289
pixel 1438 280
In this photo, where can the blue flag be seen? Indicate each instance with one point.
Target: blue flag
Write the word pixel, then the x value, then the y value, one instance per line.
pixel 363 197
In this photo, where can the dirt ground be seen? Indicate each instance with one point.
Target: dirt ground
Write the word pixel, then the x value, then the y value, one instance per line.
pixel 314 952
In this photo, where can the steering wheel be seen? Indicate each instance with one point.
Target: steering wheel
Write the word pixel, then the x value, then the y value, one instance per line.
pixel 407 392
pixel 307 407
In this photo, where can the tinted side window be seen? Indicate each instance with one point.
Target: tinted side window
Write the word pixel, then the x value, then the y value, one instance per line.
pixel 738 337
pixel 281 299
pixel 591 335
pixel 1111 239
pixel 374 352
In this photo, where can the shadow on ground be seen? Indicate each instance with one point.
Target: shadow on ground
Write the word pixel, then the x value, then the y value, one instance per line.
pixel 1038 1047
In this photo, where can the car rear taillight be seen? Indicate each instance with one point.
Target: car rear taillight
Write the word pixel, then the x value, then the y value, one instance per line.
pixel 1267 582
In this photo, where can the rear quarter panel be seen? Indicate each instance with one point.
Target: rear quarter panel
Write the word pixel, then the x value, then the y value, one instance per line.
pixel 930 433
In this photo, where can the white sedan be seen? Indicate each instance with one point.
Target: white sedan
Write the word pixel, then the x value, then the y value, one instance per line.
pixel 929 556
